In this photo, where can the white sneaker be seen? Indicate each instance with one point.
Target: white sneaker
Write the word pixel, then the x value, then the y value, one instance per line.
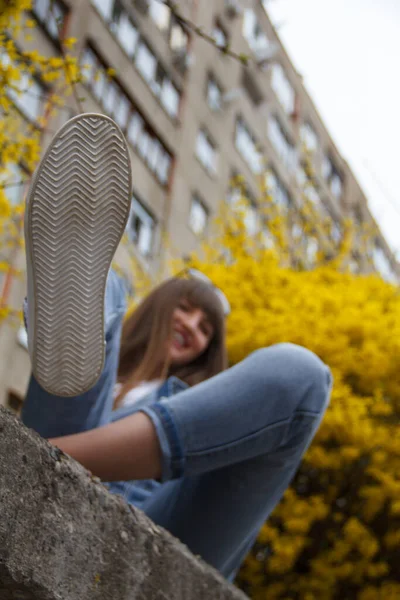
pixel 76 212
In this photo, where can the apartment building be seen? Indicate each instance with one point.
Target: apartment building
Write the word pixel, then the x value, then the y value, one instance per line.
pixel 193 117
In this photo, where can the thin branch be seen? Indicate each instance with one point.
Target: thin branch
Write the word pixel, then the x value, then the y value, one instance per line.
pixel 65 57
pixel 45 98
pixel 187 24
pixel 10 184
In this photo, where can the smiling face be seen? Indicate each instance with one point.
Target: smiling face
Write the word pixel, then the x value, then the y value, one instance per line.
pixel 177 330
pixel 192 332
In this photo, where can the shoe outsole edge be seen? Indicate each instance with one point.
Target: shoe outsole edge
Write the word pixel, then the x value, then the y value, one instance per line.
pixel 77 211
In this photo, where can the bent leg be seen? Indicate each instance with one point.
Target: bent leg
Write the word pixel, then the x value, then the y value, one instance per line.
pixel 219 514
pixel 247 447
pixel 53 416
pixel 242 413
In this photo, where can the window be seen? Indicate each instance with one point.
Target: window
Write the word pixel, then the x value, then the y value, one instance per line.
pixel 119 106
pixel 198 216
pixel 247 146
pixel 99 84
pixel 141 227
pixel 149 148
pixel 14 179
pixel 306 243
pixel 137 134
pixel 178 38
pixel 309 137
pixel 110 98
pixel 169 97
pixel 113 99
pixel 105 8
pixel 265 5
pixel 27 93
pixel 51 15
pixel 88 65
pixel 336 186
pixel 121 24
pixel 146 62
pixel 308 188
pixel 332 176
pixel 206 151
pixel 121 112
pixel 219 35
pixel 236 190
pixel 240 198
pixel 336 232
pixel 125 32
pixel 313 196
pixel 158 80
pixel 281 143
pixel 214 94
pixel 382 265
pixel 161 14
pixel 144 144
pixel 166 22
pixel 277 189
pixel 267 239
pixel 354 266
pixel 164 167
pixel 253 33
pixel 311 250
pixel 30 100
pixel 283 89
pixel 251 220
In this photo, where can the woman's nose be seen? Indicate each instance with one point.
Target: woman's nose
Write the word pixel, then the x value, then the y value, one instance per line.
pixel 192 319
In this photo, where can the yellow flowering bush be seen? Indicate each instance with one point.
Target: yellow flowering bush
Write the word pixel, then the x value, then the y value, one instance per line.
pixel 336 532
pixel 21 134
pixel 20 66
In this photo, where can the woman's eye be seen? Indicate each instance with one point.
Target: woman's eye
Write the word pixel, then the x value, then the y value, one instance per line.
pixel 184 306
pixel 206 331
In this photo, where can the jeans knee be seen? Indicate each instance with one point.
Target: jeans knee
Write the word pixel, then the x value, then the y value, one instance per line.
pixel 297 375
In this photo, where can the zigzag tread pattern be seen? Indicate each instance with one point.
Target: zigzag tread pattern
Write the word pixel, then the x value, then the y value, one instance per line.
pixel 79 208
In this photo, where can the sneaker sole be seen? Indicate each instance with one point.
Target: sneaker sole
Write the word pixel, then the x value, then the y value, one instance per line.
pixel 76 214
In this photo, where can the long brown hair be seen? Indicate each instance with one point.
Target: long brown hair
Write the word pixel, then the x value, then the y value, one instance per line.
pixel 145 334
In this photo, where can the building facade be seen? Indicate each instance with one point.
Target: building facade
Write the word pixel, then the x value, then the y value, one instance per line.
pixel 194 117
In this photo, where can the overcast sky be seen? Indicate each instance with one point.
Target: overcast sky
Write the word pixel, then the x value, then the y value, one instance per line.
pixel 348 52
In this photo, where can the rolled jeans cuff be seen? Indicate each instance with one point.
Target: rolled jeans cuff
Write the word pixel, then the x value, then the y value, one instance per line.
pixel 173 457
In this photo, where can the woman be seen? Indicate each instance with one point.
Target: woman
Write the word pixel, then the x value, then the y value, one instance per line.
pixel 178 330
pixel 206 452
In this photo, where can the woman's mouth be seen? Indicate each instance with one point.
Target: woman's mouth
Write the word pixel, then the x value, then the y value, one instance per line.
pixel 179 340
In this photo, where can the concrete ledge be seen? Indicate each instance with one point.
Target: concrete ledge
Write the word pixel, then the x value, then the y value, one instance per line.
pixel 65 537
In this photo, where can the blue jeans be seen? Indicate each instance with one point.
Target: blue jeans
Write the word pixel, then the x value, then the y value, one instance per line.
pixel 230 445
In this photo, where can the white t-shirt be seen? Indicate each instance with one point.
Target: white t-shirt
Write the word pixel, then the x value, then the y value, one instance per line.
pixel 138 392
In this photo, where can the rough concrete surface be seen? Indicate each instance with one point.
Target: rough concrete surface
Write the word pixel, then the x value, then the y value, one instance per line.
pixel 63 536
